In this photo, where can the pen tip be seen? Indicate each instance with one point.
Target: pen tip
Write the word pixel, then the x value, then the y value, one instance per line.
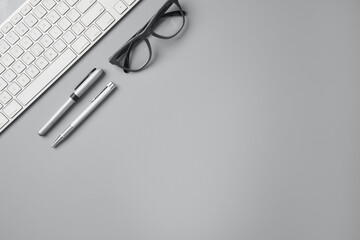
pixel 57 141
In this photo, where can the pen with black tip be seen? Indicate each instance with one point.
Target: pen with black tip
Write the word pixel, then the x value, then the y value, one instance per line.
pixel 93 105
pixel 80 89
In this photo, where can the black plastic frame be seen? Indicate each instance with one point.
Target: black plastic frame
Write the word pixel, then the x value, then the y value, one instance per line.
pixel 143 34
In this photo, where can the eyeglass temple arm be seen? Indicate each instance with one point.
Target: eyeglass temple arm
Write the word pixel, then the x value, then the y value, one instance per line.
pixel 177 13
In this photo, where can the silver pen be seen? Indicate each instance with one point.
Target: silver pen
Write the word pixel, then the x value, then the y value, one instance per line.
pixel 80 89
pixel 94 104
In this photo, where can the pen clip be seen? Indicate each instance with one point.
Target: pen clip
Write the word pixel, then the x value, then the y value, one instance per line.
pixel 99 94
pixel 85 78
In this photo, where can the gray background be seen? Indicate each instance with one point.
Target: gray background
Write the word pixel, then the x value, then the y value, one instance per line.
pixel 245 127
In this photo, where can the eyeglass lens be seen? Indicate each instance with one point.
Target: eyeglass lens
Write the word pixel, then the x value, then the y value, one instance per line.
pixel 138 55
pixel 170 23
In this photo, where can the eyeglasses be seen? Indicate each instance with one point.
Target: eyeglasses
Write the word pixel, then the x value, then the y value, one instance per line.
pixel 136 53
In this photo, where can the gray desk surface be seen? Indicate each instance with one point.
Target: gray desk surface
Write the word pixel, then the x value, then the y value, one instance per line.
pixel 245 127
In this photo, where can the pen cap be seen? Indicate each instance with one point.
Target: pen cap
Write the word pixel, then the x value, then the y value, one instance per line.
pixel 89 80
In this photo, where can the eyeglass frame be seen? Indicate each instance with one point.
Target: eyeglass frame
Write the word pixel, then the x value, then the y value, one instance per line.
pixel 143 34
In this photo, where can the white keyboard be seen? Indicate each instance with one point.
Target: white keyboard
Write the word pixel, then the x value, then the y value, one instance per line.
pixel 42 39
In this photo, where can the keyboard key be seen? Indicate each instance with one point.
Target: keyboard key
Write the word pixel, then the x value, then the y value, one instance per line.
pixel 5 97
pixel 16 51
pixel 21 29
pixel 23 80
pixel 28 58
pixel 84 5
pixel 9 75
pixel 120 7
pixel 46 77
pixel 129 2
pixel 7 60
pixel 12 37
pixel 19 67
pixel 25 42
pixel 105 21
pixel 7 27
pixel 46 41
pixel 16 18
pixel 80 44
pixel 55 32
pixel 12 109
pixel 50 54
pixel 14 88
pixel 53 16
pixel 41 63
pixel 73 15
pixel 3 120
pixel 35 34
pixel 37 49
pixel 49 4
pixel 2 68
pixel 78 28
pixel 92 14
pixel 64 23
pixel 62 8
pixel 34 2
pixel 4 46
pixel 59 45
pixel 25 9
pixel 3 84
pixel 69 37
pixel 93 32
pixel 44 25
pixel 39 12
pixel 30 20
pixel 71 2
pixel 1 35
pixel 32 71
